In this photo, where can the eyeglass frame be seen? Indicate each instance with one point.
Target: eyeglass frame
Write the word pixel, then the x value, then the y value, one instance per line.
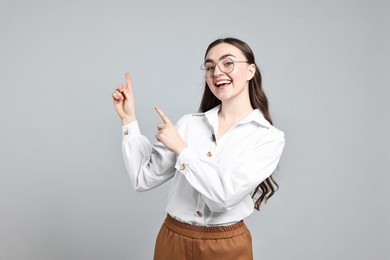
pixel 216 62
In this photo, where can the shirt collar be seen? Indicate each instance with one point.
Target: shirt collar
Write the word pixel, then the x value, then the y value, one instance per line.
pixel 212 115
pixel 256 116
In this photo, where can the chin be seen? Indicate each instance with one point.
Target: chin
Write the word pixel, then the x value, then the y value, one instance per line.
pixel 223 97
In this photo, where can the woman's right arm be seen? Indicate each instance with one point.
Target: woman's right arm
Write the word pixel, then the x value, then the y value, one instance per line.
pixel 147 165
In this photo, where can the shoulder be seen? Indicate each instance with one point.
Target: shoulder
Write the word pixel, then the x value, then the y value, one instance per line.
pixel 273 135
pixel 276 131
pixel 264 125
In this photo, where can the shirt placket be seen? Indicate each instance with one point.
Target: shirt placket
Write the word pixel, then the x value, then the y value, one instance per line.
pixel 200 204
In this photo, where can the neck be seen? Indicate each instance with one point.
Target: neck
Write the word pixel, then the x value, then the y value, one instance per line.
pixel 235 110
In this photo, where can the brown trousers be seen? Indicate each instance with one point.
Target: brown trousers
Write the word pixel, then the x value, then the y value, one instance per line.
pixel 180 241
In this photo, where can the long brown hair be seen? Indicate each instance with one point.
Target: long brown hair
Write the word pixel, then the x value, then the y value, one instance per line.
pixel 258 100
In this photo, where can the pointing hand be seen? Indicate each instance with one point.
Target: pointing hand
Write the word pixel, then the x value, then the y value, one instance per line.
pixel 168 134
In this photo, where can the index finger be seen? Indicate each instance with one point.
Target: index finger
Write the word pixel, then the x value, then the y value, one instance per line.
pixel 164 117
pixel 128 82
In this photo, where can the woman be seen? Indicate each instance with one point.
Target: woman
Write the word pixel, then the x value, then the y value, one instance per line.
pixel 220 159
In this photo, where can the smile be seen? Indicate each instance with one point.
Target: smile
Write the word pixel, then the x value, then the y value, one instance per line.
pixel 222 83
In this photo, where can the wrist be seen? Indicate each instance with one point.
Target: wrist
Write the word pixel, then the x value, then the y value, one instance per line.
pixel 180 149
pixel 128 119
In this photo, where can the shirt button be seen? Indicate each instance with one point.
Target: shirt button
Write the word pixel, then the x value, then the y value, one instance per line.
pixel 182 167
pixel 209 154
pixel 199 213
pixel 126 132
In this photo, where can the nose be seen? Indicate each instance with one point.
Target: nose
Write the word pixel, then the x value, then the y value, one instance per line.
pixel 217 71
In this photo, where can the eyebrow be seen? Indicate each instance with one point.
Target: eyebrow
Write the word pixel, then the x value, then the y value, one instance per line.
pixel 222 57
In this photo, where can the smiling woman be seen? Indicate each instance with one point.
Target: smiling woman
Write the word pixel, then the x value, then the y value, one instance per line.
pixel 258 100
pixel 221 159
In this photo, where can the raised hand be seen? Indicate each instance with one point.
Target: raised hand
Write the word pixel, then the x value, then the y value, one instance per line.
pixel 168 134
pixel 124 101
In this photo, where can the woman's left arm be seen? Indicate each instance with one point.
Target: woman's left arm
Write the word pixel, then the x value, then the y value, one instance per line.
pixel 222 186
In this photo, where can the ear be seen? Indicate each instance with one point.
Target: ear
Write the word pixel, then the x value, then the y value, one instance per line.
pixel 251 71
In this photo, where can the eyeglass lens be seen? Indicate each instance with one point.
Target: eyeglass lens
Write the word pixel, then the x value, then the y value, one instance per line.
pixel 226 65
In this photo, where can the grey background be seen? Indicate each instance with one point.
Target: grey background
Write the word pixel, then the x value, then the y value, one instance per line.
pixel 64 192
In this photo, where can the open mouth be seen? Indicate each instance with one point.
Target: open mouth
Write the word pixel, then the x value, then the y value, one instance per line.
pixel 223 83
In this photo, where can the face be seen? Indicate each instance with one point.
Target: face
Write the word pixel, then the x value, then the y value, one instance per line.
pixel 228 85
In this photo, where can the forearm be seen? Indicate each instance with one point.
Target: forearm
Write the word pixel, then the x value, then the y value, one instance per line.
pixel 225 185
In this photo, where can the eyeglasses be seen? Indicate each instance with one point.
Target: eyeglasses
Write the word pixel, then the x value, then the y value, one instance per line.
pixel 226 65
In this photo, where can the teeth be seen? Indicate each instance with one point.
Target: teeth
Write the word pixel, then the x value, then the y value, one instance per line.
pixel 222 82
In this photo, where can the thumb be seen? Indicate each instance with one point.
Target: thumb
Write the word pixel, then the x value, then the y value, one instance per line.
pixel 164 118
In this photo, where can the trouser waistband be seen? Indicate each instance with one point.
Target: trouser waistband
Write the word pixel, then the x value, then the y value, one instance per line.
pixel 202 232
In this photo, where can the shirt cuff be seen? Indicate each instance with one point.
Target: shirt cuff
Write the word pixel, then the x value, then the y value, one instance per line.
pixel 131 130
pixel 186 156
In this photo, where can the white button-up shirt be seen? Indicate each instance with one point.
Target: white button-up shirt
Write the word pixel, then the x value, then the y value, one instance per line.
pixel 213 180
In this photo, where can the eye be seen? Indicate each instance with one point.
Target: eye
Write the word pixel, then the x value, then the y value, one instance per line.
pixel 209 67
pixel 227 63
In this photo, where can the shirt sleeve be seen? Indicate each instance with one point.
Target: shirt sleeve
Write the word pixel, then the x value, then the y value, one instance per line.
pixel 224 187
pixel 148 165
